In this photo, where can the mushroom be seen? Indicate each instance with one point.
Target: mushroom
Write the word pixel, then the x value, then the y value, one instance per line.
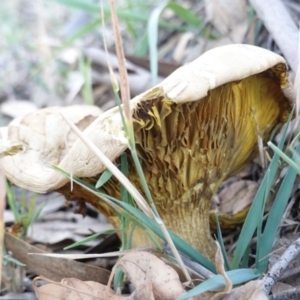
pixel 192 131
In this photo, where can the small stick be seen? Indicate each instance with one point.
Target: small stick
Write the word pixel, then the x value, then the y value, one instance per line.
pixel 281 265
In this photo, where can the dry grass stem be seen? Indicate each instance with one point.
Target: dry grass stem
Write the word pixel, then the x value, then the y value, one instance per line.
pixel 122 67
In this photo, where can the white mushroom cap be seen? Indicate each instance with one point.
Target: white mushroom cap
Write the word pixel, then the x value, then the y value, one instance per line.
pixel 215 67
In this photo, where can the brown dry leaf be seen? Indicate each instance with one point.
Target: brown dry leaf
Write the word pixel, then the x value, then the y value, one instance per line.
pixel 49 291
pixel 74 289
pixel 88 290
pixel 228 17
pixel 143 267
pixel 237 196
pixel 253 290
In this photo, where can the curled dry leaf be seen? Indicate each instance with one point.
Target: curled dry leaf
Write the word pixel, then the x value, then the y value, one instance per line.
pixel 144 267
pixel 192 131
pixel 73 289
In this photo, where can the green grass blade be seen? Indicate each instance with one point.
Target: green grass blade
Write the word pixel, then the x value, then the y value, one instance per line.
pixel 245 259
pixel 275 216
pixel 125 196
pixel 11 199
pixel 253 216
pixel 89 239
pixel 123 14
pixel 38 212
pixel 152 39
pixel 185 14
pixel 221 243
pixel 251 220
pixel 105 176
pixel 85 70
pixel 260 218
pixel 287 159
pixel 217 282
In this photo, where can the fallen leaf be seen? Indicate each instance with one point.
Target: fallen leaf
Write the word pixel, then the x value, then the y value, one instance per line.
pixel 142 267
pixel 87 290
pixel 74 289
pixel 50 291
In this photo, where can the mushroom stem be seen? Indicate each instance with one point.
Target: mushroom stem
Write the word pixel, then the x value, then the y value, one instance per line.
pixel 192 223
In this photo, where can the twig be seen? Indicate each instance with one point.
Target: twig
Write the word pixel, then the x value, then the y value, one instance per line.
pixel 279 23
pixel 281 265
pixel 287 295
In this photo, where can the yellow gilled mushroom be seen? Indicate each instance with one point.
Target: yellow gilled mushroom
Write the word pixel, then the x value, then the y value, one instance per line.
pixel 193 130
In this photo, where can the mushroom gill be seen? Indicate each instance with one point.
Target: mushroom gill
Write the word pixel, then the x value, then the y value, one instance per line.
pixel 192 131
